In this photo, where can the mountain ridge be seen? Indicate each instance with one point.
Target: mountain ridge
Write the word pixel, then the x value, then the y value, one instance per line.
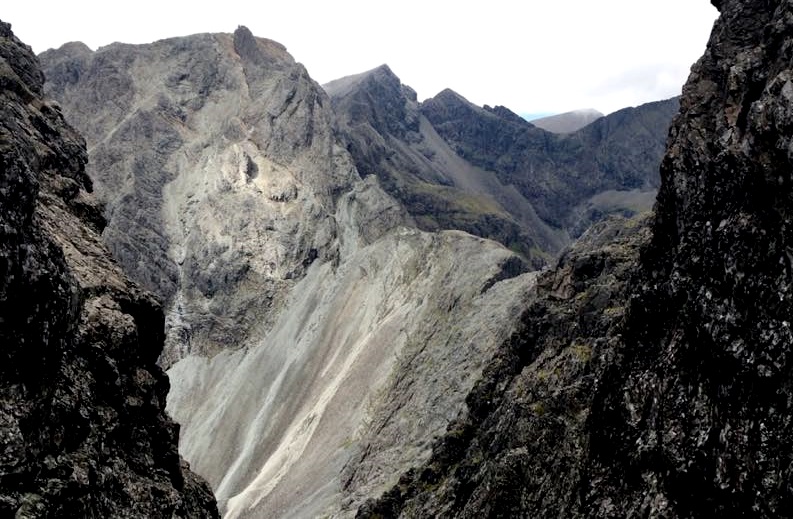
pixel 445 183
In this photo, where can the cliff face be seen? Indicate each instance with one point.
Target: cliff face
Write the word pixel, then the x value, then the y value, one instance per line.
pixel 316 340
pixel 82 401
pixel 556 173
pixel 679 404
pixel 702 390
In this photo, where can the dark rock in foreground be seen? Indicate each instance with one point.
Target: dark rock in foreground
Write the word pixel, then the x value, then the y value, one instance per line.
pixel 83 431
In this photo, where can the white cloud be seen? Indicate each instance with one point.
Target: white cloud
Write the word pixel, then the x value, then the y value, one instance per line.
pixel 529 56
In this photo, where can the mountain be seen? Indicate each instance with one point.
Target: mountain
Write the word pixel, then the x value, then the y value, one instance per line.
pixel 82 414
pixel 567 122
pixel 489 172
pixel 328 358
pixel 315 339
pixel 652 375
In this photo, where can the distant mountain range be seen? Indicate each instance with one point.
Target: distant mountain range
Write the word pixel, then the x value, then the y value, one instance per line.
pixel 454 165
pixel 567 122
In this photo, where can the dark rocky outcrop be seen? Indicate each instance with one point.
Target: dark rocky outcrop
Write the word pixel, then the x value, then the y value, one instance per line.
pixel 664 392
pixel 696 412
pixel 487 171
pixel 83 429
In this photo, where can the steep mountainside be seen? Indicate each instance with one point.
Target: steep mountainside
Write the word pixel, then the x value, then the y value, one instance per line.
pixel 317 341
pixel 83 429
pixel 567 122
pixel 521 448
pixel 668 395
pixel 556 173
pixel 489 172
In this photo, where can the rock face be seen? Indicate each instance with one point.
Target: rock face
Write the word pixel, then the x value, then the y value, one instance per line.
pixel 387 134
pixel 83 430
pixel 702 389
pixel 682 407
pixel 489 172
pixel 567 122
pixel 180 132
pixel 556 173
pixel 317 341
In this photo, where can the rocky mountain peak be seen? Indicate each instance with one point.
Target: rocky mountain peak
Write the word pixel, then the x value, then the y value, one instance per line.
pixel 449 104
pixel 383 72
pixel 220 119
pixel 376 97
pixel 379 82
pixel 257 50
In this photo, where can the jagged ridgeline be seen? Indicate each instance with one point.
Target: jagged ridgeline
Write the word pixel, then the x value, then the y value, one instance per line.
pixel 454 165
pixel 83 429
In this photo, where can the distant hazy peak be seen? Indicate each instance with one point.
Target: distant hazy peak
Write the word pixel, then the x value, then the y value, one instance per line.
pixel 569 121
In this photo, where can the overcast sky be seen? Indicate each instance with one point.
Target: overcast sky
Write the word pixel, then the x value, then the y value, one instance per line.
pixel 531 56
